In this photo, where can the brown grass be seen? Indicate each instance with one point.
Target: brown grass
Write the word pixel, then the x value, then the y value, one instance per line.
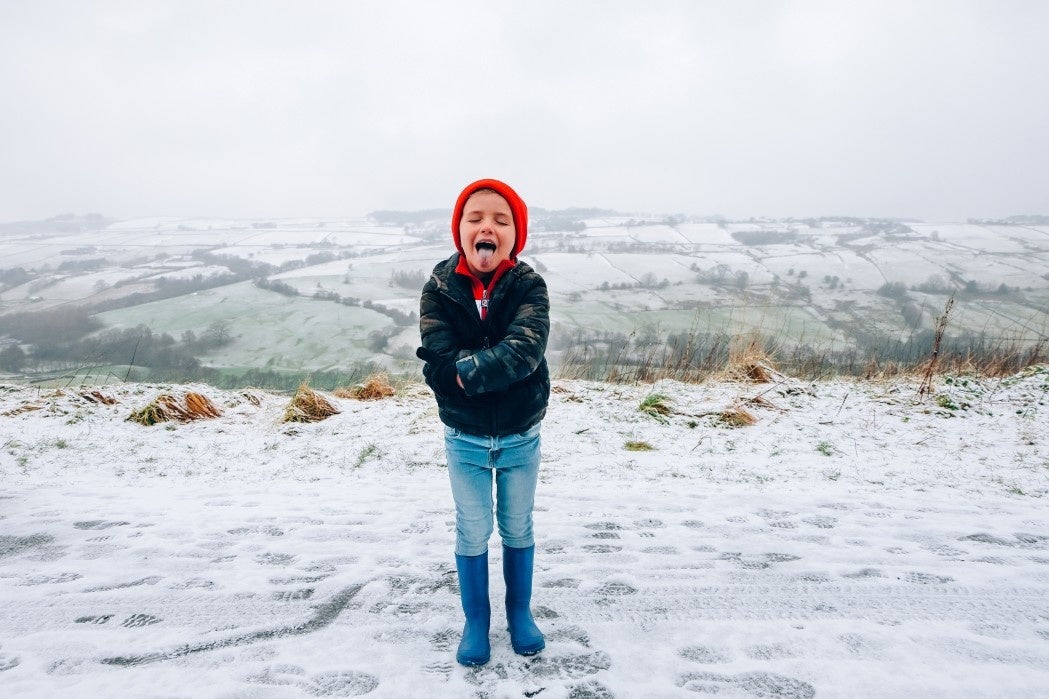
pixel 308 406
pixel 941 326
pixel 28 407
pixel 98 397
pixel 200 407
pixel 375 387
pixel 166 407
pixel 762 402
pixel 735 417
pixel 750 359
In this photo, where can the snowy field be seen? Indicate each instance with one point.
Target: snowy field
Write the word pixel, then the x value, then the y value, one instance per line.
pixel 854 542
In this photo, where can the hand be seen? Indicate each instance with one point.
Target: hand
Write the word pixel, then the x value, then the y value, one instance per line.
pixel 442 370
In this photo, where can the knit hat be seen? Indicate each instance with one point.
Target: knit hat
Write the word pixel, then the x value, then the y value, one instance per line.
pixel 517 209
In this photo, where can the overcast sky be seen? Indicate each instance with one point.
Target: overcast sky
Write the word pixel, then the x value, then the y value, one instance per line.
pixel 937 110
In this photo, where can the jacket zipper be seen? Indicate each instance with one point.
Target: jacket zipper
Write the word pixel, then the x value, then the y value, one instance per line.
pixel 484 317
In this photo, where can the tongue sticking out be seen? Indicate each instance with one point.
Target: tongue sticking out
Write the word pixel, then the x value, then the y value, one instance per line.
pixel 485 251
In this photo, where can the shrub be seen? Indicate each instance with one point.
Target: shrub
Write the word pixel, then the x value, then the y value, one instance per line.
pixel 165 407
pixel 308 406
pixel 375 387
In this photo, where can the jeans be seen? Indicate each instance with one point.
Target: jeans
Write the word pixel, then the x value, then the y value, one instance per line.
pixel 472 462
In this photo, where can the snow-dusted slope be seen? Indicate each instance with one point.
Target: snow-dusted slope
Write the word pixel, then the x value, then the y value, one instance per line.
pixel 852 542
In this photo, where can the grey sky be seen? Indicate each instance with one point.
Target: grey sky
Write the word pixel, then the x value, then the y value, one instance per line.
pixel 927 109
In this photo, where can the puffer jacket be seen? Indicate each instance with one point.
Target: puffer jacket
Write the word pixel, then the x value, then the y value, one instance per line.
pixel 501 359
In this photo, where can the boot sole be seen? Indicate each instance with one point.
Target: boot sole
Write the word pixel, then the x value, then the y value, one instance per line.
pixel 530 650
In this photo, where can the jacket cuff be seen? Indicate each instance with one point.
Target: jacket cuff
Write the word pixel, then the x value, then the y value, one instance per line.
pixel 462 369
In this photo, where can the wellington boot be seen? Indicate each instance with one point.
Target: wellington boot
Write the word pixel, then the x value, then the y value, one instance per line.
pixel 525 636
pixel 475 648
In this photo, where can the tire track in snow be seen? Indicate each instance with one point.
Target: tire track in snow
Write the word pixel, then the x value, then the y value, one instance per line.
pixel 325 615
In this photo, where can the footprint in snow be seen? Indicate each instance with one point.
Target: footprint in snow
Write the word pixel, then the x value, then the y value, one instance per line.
pixel 569 633
pixel 927 578
pixel 99 524
pixel 443 640
pixel 11 545
pixel 572 666
pixel 602 548
pixel 758 684
pixel 821 522
pixel 705 654
pixel 858 644
pixel 50 579
pixel 770 651
pixel 615 589
pixel 8 662
pixel 443 670
pixel 562 582
pixel 664 550
pixel 267 530
pixel 138 620
pixel 293 595
pixel 590 690
pixel 605 526
pixel 420 527
pixel 344 683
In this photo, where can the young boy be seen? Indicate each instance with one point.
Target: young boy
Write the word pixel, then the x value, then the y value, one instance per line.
pixel 484 321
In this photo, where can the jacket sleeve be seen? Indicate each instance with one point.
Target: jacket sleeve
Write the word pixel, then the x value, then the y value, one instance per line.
pixel 520 352
pixel 438 337
pixel 435 330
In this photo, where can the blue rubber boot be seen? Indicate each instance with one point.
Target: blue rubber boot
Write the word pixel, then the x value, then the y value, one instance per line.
pixel 525 636
pixel 475 648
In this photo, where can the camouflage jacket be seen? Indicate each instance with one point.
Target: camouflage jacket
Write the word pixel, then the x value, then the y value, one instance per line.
pixel 501 359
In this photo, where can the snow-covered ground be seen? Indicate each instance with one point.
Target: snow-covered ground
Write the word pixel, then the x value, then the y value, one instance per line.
pixel 853 542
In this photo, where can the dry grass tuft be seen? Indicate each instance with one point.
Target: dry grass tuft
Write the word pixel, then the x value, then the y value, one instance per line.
pixel 375 387
pixel 200 407
pixel 98 397
pixel 735 417
pixel 308 406
pixel 252 398
pixel 750 360
pixel 636 445
pixel 762 402
pixel 28 407
pixel 166 407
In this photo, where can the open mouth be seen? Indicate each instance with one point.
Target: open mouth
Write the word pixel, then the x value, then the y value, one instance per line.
pixel 485 250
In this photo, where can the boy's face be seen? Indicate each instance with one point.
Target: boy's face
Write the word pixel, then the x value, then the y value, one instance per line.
pixel 486 232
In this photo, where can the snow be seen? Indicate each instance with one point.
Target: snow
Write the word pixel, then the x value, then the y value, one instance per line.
pixel 855 541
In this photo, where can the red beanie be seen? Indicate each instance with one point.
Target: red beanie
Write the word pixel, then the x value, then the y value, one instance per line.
pixel 517 209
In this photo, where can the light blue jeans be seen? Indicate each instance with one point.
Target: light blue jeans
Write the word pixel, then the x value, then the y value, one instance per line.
pixel 473 460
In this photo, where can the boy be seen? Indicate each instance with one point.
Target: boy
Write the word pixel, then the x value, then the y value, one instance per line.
pixel 484 321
